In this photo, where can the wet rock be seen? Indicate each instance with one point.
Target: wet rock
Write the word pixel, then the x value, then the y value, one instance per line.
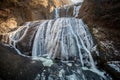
pixel 101 16
pixel 113 67
pixel 101 12
pixel 108 43
pixel 16 67
pixel 92 76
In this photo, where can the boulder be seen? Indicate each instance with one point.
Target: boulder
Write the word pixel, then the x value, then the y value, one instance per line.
pixel 16 67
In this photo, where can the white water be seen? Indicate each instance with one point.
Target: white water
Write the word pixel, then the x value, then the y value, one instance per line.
pixel 65 39
pixel 67 11
pixel 76 1
pixel 114 65
pixel 67 34
pixel 57 12
pixel 76 10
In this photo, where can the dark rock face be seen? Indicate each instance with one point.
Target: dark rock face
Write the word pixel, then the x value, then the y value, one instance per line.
pixel 113 68
pixel 16 67
pixel 103 17
pixel 103 12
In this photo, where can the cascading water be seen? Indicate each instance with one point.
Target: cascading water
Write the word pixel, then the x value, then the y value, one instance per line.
pixel 67 11
pixel 65 39
pixel 64 45
pixel 76 1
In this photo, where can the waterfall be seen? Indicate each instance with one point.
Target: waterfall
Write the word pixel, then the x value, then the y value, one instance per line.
pixel 64 45
pixel 67 11
pixel 76 10
pixel 65 40
pixel 62 38
pixel 76 1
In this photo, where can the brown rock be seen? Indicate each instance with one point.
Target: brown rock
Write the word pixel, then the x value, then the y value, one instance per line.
pixel 16 12
pixel 104 13
pixel 103 18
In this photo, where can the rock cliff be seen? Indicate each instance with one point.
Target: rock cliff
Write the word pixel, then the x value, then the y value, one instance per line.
pixel 16 12
pixel 103 18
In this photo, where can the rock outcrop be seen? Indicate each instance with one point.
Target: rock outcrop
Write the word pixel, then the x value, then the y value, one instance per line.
pixel 16 67
pixel 16 12
pixel 103 18
pixel 101 12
